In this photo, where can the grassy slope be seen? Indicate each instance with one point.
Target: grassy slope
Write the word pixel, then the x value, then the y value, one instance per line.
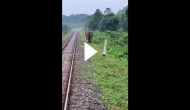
pixel 111 76
pixel 65 35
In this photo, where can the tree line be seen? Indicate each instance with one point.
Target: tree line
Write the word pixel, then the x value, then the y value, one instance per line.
pixel 65 28
pixel 108 20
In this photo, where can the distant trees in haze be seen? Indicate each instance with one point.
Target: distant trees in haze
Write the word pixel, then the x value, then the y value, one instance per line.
pixel 75 21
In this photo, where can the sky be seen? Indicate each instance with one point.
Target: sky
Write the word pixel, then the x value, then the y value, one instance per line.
pixel 89 6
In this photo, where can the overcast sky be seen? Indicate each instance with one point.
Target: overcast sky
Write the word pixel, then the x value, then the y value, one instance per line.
pixel 89 6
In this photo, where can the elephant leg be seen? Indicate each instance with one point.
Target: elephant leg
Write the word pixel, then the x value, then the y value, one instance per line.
pixel 90 40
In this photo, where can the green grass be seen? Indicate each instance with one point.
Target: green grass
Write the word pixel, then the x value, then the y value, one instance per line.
pixel 65 34
pixel 111 74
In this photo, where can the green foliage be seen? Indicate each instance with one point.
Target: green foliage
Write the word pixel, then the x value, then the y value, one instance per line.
pixel 123 24
pixel 122 11
pixel 65 27
pixel 110 72
pixel 65 34
pixel 108 20
pixel 93 21
pixel 126 13
pixel 118 42
pixel 108 11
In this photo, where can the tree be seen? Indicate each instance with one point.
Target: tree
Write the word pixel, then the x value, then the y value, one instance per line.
pixel 122 22
pixel 126 12
pixel 65 27
pixel 97 16
pixel 107 11
pixel 109 22
pixel 122 11
pixel 93 21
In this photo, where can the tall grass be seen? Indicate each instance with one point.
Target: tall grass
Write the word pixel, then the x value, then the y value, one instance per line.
pixel 118 42
pixel 111 71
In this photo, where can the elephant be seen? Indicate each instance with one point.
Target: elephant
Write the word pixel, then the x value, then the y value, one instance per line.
pixel 89 36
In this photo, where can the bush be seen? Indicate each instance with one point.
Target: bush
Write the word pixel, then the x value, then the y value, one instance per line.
pixel 117 42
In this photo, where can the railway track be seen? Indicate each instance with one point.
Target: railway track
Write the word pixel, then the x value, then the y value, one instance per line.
pixel 77 93
pixel 68 57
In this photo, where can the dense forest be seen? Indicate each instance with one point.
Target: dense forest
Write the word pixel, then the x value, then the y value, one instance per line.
pixel 108 20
